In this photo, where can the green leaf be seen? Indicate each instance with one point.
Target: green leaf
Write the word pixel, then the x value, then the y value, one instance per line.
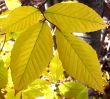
pixel 74 17
pixel 36 89
pixel 31 54
pixel 3 75
pixel 56 68
pixel 79 60
pixel 21 18
pixel 73 90
pixel 12 4
pixel 12 36
pixel 83 94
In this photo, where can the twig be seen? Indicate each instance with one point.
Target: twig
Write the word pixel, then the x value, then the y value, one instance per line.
pixel 3 43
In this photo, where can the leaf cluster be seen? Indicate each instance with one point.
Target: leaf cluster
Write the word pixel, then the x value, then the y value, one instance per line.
pixel 32 51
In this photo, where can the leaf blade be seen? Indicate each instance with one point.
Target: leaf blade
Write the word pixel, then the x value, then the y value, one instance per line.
pixel 79 60
pixel 21 18
pixel 79 17
pixel 31 61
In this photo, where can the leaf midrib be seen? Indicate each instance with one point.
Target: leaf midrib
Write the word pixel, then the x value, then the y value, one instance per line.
pixel 30 55
pixel 79 57
pixel 73 17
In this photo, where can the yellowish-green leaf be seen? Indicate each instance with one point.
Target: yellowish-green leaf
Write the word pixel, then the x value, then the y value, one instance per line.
pixel 73 90
pixel 39 89
pixel 83 94
pixel 74 17
pixel 10 82
pixel 56 68
pixel 36 89
pixel 11 94
pixel 12 4
pixel 3 75
pixel 6 60
pixel 31 54
pixel 12 35
pixel 79 60
pixel 21 18
pixel 50 94
pixel 8 46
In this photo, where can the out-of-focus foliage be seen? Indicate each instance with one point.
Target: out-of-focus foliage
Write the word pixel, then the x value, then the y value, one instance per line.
pixel 73 89
pixel 12 4
pixel 56 69
pixel 3 75
pixel 36 89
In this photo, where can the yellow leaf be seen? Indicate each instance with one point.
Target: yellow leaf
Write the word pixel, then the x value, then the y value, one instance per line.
pixel 12 4
pixel 56 68
pixel 3 18
pixel 79 60
pixel 3 75
pixel 21 18
pixel 74 17
pixel 31 54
